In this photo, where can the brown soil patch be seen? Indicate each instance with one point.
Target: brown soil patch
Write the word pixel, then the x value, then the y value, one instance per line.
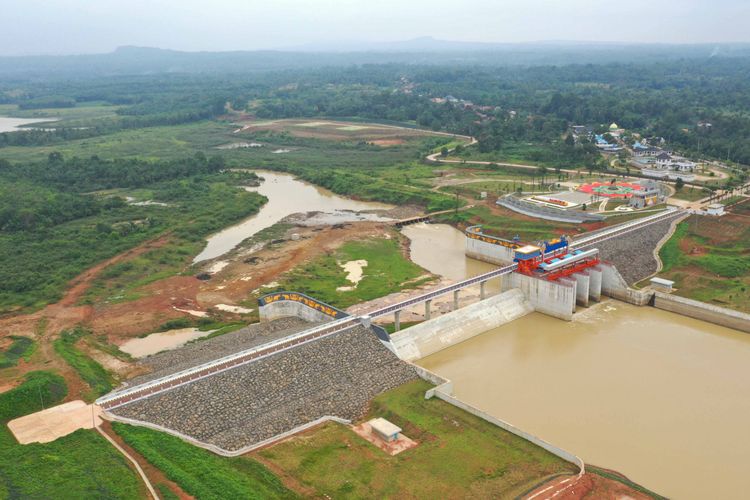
pixel 46 324
pixel 232 285
pixel 388 142
pixel 154 475
pixel 689 247
pixel 589 486
pixel 334 130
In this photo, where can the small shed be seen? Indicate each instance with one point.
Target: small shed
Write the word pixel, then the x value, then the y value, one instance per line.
pixel 662 284
pixel 715 209
pixel 384 429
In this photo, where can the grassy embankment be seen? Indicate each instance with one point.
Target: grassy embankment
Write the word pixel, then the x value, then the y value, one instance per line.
pixel 458 455
pixel 200 472
pixel 510 224
pixel 690 193
pixel 80 465
pixel 98 379
pixel 540 154
pixel 707 259
pixel 387 271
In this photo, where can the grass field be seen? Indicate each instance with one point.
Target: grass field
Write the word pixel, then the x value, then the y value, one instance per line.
pixel 387 271
pixel 508 224
pixel 20 347
pixel 338 130
pixel 79 465
pixel 690 194
pixel 200 472
pixel 708 260
pixel 458 456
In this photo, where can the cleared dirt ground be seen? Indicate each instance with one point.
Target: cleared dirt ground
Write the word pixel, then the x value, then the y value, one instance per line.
pixel 380 135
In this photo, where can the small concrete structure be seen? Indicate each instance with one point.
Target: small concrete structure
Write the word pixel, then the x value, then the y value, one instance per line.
pixel 715 209
pixel 384 435
pixel 662 284
pixel 384 429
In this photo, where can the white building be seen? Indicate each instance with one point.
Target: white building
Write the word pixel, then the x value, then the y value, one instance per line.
pixel 715 209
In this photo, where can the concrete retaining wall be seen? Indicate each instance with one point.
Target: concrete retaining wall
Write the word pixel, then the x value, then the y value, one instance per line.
pixel 444 390
pixel 285 304
pixel 554 298
pixel 450 329
pixel 216 449
pixel 701 310
pixel 582 288
pixel 489 252
pixel 595 283
pixel 565 455
pixel 615 286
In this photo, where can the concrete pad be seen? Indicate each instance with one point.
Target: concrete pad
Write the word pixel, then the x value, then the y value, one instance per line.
pixel 395 447
pixel 47 425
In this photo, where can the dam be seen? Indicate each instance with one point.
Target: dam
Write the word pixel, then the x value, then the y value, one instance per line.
pixel 655 395
pixel 588 362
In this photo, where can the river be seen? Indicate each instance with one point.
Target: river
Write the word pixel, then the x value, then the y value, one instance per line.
pixel 659 397
pixel 9 124
pixel 286 196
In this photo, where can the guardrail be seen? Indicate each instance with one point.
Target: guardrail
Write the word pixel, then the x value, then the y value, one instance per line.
pixel 301 298
pixel 442 291
pixel 625 228
pixel 128 395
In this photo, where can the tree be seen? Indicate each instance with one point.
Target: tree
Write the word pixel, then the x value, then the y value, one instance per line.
pixel 679 183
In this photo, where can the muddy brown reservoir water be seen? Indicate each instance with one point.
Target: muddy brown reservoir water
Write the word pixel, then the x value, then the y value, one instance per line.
pixel 659 397
pixel 286 196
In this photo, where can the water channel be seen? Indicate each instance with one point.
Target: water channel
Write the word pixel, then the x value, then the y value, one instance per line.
pixel 659 397
pixel 286 195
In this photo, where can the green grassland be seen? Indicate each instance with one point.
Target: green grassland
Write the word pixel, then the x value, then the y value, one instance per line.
pixel 458 456
pixel 387 271
pixel 21 347
pixel 40 263
pixel 200 472
pixel 79 465
pixel 690 194
pixel 710 263
pixel 511 224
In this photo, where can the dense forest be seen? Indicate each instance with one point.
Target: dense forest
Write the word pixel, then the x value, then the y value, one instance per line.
pixel 499 104
pixel 61 216
pixel 51 211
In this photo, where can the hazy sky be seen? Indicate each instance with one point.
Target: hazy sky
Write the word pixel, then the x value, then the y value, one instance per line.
pixel 85 26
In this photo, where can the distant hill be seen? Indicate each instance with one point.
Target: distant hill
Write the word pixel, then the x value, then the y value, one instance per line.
pixel 426 50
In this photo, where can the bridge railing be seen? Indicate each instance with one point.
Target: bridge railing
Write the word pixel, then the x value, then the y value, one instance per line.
pixel 442 291
pixel 190 374
pixel 228 361
pixel 625 228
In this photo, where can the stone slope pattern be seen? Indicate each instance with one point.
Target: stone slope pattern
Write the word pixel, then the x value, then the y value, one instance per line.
pixel 335 376
pixel 633 253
